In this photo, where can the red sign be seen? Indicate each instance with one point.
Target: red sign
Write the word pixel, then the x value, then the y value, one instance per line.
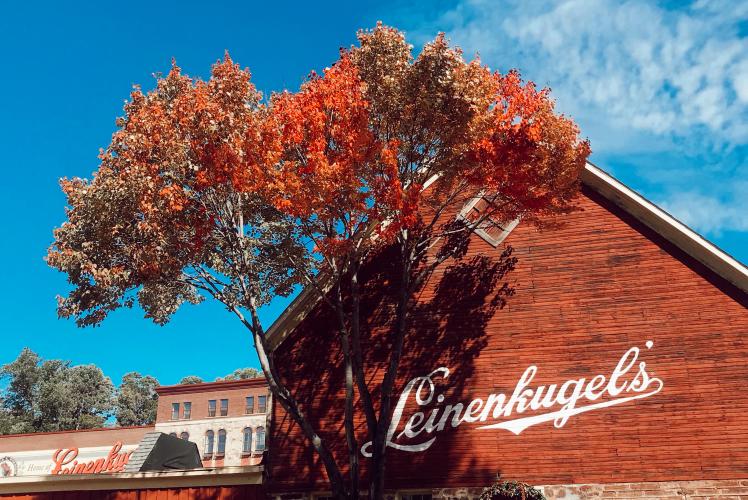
pixel 114 461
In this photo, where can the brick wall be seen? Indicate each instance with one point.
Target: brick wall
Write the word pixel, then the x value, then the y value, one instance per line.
pixel 675 490
pixel 234 423
pixel 200 394
pixel 584 293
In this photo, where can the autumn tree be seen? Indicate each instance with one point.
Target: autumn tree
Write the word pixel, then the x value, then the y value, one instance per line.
pixel 136 400
pixel 207 192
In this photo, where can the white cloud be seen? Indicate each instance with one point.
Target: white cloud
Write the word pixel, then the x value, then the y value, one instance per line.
pixel 707 214
pixel 643 80
pixel 644 67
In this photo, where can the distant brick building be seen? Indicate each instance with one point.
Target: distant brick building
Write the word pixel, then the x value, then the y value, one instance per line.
pixel 616 369
pixel 227 420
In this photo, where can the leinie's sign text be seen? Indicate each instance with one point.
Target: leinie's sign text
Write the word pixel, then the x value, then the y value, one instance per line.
pixel 555 403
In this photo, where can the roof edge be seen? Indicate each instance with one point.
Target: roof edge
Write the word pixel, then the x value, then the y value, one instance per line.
pixel 226 476
pixel 667 226
pixel 652 216
pixel 211 386
pixel 78 431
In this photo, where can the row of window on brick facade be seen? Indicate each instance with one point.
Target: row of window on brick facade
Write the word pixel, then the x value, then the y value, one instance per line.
pixel 249 407
pixel 249 438
pixel 247 441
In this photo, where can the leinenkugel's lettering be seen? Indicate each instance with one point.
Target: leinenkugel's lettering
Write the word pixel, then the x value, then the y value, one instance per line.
pixel 114 461
pixel 628 381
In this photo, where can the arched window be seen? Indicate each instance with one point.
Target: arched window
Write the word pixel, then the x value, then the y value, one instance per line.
pixel 209 437
pixel 247 445
pixel 221 442
pixel 185 436
pixel 260 444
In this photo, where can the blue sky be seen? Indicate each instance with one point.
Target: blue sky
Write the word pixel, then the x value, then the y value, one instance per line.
pixel 661 90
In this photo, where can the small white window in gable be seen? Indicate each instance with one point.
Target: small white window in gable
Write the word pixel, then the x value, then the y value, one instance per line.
pixel 489 229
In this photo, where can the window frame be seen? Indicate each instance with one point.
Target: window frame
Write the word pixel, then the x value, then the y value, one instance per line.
pixel 260 431
pixel 222 440
pixel 247 431
pixel 249 409
pixel 262 403
pixel 187 410
pixel 224 409
pixel 506 229
pixel 175 411
pixel 210 437
pixel 212 410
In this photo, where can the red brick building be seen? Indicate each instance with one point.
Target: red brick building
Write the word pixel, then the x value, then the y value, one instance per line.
pixel 235 413
pixel 91 463
pixel 227 420
pixel 616 369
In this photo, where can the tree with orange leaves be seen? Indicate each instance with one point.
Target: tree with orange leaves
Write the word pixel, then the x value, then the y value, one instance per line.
pixel 207 192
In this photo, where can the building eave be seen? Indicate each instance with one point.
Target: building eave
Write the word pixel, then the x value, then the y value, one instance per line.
pixel 667 226
pixel 76 431
pixel 224 476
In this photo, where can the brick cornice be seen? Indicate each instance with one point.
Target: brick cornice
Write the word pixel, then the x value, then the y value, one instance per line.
pixel 211 386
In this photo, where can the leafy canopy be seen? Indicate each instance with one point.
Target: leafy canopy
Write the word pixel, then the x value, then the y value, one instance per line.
pixel 42 395
pixel 50 395
pixel 206 190
pixel 241 374
pixel 136 401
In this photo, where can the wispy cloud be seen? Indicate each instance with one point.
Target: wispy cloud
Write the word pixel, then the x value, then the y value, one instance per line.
pixel 708 213
pixel 642 78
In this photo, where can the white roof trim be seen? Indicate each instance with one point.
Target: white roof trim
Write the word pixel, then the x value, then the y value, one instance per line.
pixel 667 226
pixel 621 195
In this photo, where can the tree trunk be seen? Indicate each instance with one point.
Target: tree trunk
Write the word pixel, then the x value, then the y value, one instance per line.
pixel 358 362
pixel 379 445
pixel 350 431
pixel 289 403
pixel 350 339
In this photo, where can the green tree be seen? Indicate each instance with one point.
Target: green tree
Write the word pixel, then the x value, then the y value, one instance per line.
pixel 191 379
pixel 50 395
pixel 136 400
pixel 90 396
pixel 6 421
pixel 23 375
pixel 241 373
pixel 52 401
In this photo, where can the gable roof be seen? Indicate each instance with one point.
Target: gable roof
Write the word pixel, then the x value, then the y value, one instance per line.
pixel 667 226
pixel 613 190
